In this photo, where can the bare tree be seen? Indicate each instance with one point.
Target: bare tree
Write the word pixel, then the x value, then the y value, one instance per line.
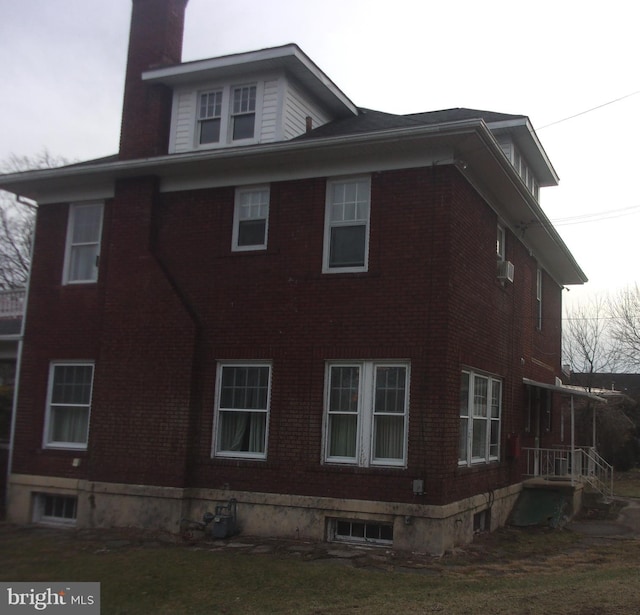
pixel 588 343
pixel 591 346
pixel 625 325
pixel 17 222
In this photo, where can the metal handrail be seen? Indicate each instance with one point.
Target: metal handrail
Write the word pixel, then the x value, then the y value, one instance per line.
pixel 581 463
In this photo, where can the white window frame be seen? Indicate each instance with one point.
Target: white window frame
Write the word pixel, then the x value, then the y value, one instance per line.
pixel 40 509
pixel 242 112
pixel 501 249
pixel 360 531
pixel 240 215
pixel 331 223
pixel 227 114
pixel 366 414
pixel 71 245
pixel 201 118
pixel 48 441
pixel 471 415
pixel 539 299
pixel 220 411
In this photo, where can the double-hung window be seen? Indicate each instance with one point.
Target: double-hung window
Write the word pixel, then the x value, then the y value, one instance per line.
pixel 68 405
pixel 209 117
pixel 83 243
pixel 226 114
pixel 480 411
pixel 243 112
pixel 367 407
pixel 251 218
pixel 347 214
pixel 242 410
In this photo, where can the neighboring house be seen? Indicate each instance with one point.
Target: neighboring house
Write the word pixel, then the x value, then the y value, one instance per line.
pixel 347 320
pixel 625 383
pixel 11 310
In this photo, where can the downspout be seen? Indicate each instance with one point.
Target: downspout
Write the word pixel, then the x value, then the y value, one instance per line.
pixel 573 443
pixel 198 345
pixel 16 380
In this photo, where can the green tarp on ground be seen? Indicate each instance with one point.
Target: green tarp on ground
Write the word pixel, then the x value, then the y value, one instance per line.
pixel 540 507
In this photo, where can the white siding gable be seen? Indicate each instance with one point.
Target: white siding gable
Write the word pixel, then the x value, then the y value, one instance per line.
pixel 297 107
pixel 270 106
pixel 281 112
pixel 183 121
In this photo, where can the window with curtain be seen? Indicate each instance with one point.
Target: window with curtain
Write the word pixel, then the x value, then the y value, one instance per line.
pixel 69 405
pixel 367 406
pixel 251 218
pixel 480 413
pixel 83 243
pixel 243 409
pixel 347 225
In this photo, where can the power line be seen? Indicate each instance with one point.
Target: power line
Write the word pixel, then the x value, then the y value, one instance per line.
pixel 597 216
pixel 589 110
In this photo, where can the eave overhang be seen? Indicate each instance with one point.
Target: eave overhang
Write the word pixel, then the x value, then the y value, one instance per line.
pixel 526 140
pixel 469 144
pixel 289 58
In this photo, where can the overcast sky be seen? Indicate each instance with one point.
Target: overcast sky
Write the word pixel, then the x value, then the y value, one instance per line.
pixel 63 61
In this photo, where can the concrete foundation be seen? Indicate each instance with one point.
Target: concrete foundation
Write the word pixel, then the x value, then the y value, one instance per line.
pixel 416 527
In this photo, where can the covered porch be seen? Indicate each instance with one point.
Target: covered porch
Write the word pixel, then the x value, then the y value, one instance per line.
pixel 567 462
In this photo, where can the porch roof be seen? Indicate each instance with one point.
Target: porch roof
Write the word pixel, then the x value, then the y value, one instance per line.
pixel 564 389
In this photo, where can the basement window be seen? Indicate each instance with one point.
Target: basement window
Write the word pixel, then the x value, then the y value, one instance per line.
pixel 58 509
pixel 367 532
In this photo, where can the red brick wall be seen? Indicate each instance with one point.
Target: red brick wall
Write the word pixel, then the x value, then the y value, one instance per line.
pixel 173 300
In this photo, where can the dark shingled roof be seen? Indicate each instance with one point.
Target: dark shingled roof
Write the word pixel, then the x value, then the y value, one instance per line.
pixel 369 120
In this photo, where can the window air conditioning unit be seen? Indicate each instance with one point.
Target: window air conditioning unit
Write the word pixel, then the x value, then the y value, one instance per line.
pixel 505 271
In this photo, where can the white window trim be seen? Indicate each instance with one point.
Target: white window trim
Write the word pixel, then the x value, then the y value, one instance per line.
pixel 216 452
pixel 326 267
pixel 39 515
pixel 488 458
pixel 365 432
pixel 73 207
pixel 54 444
pixel 501 248
pixel 539 299
pixel 226 115
pixel 236 219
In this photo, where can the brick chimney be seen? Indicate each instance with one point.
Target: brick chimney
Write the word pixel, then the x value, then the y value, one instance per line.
pixel 155 40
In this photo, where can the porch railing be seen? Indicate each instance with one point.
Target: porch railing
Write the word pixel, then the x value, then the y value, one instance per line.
pixel 582 464
pixel 12 303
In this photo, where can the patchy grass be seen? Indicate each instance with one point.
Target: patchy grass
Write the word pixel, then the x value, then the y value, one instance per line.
pixel 510 571
pixel 627 484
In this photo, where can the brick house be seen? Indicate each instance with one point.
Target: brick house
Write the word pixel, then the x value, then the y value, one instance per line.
pixel 326 312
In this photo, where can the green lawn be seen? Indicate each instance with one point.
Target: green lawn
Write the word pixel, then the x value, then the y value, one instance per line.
pixel 510 571
pixel 627 484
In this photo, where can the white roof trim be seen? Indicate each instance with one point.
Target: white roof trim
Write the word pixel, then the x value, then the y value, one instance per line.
pixel 289 57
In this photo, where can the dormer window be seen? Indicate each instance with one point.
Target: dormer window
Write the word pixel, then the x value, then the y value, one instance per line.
pixel 244 112
pixel 226 114
pixel 209 117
